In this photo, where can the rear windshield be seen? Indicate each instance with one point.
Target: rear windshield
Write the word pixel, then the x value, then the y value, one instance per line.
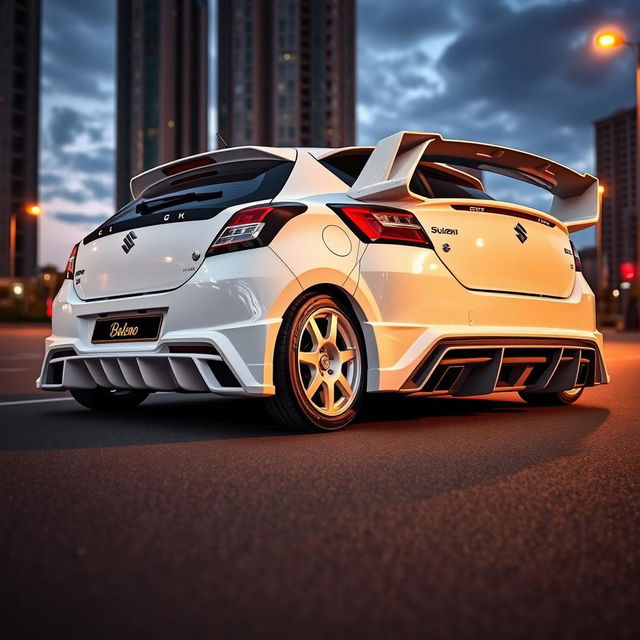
pixel 200 196
pixel 213 188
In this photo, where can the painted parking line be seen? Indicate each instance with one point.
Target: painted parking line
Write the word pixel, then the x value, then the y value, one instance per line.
pixel 6 404
pixel 66 398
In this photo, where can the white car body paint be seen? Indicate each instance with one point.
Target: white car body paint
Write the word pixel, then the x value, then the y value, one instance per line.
pixel 486 286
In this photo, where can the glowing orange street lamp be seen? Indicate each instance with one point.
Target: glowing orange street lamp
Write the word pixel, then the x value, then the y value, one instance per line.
pixel 32 210
pixel 611 38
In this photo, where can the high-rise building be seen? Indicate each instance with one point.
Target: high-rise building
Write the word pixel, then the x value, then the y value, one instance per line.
pixel 162 68
pixel 19 107
pixel 286 72
pixel 616 169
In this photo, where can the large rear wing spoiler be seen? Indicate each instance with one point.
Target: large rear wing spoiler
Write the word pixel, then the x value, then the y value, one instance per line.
pixel 140 183
pixel 388 172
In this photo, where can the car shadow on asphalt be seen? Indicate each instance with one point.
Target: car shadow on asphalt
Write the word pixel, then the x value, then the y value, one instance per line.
pixel 173 419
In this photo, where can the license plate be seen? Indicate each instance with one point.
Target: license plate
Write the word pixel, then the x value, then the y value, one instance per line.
pixel 139 328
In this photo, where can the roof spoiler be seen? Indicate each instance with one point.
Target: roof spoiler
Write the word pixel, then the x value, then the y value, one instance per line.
pixel 140 183
pixel 387 173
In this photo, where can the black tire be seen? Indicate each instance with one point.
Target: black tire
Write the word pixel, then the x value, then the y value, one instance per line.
pixel 100 399
pixel 552 399
pixel 294 378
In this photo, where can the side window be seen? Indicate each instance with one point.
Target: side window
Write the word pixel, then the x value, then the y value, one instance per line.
pixel 347 166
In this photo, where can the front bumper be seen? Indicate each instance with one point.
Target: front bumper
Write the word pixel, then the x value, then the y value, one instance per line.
pixel 229 312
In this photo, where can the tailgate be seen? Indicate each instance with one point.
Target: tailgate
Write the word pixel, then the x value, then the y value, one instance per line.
pixel 494 248
pixel 142 260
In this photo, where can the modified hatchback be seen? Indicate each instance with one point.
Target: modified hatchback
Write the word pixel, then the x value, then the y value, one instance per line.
pixel 312 277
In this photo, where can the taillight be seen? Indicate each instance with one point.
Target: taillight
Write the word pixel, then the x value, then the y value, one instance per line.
pixel 253 227
pixel 383 224
pixel 576 257
pixel 71 263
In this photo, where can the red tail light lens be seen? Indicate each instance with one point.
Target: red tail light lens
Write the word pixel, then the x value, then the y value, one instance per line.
pixel 242 227
pixel 71 263
pixel 383 224
pixel 253 227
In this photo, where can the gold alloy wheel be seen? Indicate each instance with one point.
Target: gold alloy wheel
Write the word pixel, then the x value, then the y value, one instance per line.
pixel 329 361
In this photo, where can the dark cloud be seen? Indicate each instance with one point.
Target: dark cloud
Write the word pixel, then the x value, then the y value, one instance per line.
pixel 389 23
pixel 78 66
pixel 538 62
pixel 98 188
pixel 65 194
pixel 66 125
pixel 96 133
pixel 100 160
pixel 48 179
pixel 80 218
pixel 521 74
pixel 76 36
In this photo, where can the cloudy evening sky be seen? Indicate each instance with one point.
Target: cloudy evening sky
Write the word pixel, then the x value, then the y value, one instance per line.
pixel 520 73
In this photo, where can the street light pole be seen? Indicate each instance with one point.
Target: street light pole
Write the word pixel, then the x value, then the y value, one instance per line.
pixel 32 210
pixel 12 245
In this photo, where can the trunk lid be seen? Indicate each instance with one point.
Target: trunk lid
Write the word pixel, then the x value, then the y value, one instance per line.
pixel 142 259
pixel 492 246
pixel 157 242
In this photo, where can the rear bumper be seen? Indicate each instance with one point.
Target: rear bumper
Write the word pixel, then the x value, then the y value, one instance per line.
pixel 159 371
pixel 411 372
pixel 230 310
pixel 479 366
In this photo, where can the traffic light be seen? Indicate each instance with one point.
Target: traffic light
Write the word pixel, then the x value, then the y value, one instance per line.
pixel 628 271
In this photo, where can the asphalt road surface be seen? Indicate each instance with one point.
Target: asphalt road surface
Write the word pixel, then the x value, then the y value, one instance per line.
pixel 195 517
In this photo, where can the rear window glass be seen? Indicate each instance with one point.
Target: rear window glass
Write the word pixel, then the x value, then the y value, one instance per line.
pixel 447 189
pixel 438 184
pixel 214 188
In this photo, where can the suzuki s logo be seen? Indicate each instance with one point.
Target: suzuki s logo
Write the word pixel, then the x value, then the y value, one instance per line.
pixel 521 232
pixel 129 241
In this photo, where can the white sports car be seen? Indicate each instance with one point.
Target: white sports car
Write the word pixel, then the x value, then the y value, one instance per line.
pixel 313 276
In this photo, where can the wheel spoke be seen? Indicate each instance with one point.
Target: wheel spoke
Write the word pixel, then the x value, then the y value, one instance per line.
pixel 316 334
pixel 332 334
pixel 347 355
pixel 308 357
pixel 329 393
pixel 344 386
pixel 314 385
